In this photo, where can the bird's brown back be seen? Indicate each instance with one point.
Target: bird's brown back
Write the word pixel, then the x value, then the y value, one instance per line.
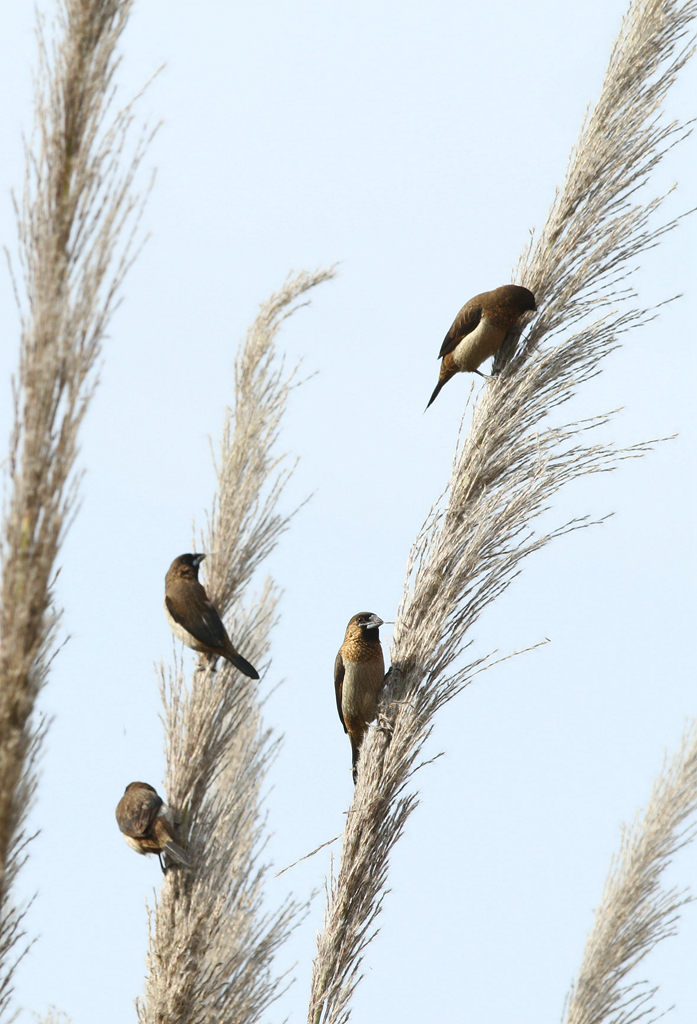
pixel 501 306
pixel 137 809
pixel 189 605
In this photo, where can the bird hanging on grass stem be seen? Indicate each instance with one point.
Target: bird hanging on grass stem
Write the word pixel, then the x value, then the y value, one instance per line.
pixel 479 329
pixel 148 824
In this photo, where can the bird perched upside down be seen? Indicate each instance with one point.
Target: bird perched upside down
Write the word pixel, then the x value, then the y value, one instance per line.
pixel 359 670
pixel 479 329
pixel 193 617
pixel 148 824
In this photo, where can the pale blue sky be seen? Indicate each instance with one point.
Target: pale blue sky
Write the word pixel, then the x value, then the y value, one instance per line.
pixel 419 145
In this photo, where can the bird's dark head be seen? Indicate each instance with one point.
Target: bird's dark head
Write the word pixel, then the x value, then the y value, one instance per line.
pixel 138 785
pixel 185 567
pixel 512 299
pixel 524 298
pixel 367 624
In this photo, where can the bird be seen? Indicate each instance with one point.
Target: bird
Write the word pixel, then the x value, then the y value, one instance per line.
pixel 193 617
pixel 479 329
pixel 359 670
pixel 148 825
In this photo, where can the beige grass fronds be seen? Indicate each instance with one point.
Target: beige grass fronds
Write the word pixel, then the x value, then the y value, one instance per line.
pixel 512 463
pixel 212 943
pixel 76 223
pixel 635 913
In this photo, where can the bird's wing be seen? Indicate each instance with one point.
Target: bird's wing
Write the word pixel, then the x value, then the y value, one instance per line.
pixel 463 324
pixel 339 685
pixel 138 811
pixel 197 615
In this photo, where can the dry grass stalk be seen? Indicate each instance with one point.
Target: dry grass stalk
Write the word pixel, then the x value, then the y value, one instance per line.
pixel 635 914
pixel 75 226
pixel 211 944
pixel 511 464
pixel 53 1016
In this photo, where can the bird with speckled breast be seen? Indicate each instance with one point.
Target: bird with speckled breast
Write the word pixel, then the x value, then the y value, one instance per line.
pixel 359 671
pixel 479 330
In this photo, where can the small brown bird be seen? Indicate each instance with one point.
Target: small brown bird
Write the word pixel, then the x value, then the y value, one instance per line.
pixel 359 670
pixel 192 616
pixel 148 824
pixel 479 329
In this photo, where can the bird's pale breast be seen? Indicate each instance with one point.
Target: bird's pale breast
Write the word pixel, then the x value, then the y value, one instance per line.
pixel 181 634
pixel 135 844
pixel 362 682
pixel 478 345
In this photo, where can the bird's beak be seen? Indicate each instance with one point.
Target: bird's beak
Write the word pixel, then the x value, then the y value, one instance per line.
pixel 198 559
pixel 375 621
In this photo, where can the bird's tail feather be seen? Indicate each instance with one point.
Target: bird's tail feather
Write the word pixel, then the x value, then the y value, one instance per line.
pixel 436 390
pixel 355 754
pixel 177 854
pixel 244 666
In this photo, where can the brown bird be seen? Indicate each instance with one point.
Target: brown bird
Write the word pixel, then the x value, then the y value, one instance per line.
pixel 359 670
pixel 479 329
pixel 193 617
pixel 148 824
